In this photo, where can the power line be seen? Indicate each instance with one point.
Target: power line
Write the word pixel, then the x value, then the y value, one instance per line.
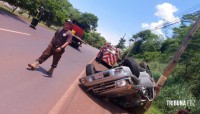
pixel 176 20
pixel 165 24
pixel 191 9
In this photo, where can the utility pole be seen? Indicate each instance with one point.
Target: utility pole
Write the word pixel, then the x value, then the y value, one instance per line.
pixel 174 60
pixel 124 35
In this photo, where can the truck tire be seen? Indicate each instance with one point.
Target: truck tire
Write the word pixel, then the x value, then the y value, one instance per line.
pixel 130 62
pixel 76 46
pixel 146 67
pixel 90 69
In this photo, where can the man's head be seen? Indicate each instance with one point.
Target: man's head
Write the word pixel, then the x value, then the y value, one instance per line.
pixel 68 24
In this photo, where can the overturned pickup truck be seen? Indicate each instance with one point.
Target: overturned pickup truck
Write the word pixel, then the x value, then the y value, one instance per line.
pixel 128 85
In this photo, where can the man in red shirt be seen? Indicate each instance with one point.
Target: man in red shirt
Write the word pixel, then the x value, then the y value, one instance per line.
pixel 61 39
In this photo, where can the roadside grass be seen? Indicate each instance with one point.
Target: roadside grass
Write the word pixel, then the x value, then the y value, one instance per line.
pixel 153 110
pixel 5 9
pixel 156 69
pixel 16 13
pixel 174 88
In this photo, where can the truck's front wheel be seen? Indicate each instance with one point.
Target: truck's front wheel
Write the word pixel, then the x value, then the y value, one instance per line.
pixel 90 69
pixel 146 67
pixel 130 62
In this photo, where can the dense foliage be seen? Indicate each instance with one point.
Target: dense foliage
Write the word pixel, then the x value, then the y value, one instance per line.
pixel 94 39
pixel 183 84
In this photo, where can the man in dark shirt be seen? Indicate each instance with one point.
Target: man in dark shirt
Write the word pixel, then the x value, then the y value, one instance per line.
pixel 61 39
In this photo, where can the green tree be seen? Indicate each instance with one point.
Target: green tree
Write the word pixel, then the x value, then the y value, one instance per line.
pixel 189 61
pixel 56 11
pixel 151 44
pixel 88 21
pixel 189 18
pixel 74 13
pixel 168 43
pixel 121 43
pixel 145 41
pixel 95 39
pixel 143 35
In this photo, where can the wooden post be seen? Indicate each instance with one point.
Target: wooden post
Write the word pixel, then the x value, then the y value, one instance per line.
pixel 174 60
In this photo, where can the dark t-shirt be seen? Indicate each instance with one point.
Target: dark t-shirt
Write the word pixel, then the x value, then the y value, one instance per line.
pixel 61 36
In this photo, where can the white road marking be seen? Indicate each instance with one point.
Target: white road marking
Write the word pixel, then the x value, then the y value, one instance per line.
pixel 14 31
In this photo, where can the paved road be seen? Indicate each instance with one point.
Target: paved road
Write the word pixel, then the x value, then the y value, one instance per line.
pixel 24 91
pixel 30 92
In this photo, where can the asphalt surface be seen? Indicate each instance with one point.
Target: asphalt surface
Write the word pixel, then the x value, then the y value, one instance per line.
pixel 30 92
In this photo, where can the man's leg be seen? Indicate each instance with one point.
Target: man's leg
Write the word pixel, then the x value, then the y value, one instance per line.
pixel 56 58
pixel 33 65
pixel 45 55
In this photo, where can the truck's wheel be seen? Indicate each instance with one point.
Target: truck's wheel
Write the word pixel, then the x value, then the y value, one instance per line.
pixel 90 69
pixel 130 62
pixel 146 67
pixel 76 45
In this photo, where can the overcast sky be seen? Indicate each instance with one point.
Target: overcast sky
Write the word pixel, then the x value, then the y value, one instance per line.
pixel 119 17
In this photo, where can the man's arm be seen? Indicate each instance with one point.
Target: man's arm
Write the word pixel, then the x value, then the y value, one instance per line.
pixel 69 39
pixel 64 45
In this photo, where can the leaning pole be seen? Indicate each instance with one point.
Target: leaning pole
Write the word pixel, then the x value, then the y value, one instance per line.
pixel 174 60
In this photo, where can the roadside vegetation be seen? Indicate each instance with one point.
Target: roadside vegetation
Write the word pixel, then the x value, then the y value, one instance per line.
pixel 183 83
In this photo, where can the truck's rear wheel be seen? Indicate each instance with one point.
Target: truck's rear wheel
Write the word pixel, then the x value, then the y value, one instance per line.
pixel 130 62
pixel 90 69
pixel 146 67
pixel 76 45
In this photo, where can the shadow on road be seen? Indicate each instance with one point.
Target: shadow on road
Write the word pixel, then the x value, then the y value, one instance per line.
pixel 10 15
pixel 42 70
pixel 103 102
pixel 75 48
